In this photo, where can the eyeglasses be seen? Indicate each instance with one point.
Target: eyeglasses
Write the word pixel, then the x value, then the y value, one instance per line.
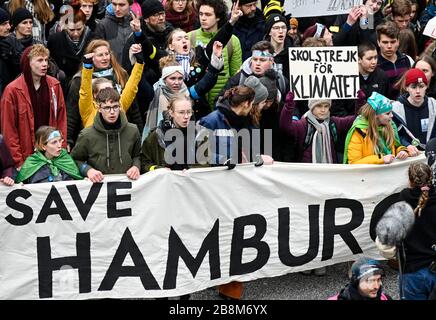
pixel 108 109
pixel 279 28
pixel 372 281
pixel 183 113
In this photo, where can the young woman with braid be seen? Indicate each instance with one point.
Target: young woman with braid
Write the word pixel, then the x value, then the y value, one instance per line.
pixel 418 249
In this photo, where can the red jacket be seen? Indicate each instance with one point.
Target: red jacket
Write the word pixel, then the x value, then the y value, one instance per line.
pixel 16 115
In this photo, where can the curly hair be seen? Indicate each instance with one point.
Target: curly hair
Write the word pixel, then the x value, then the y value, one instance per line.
pixel 218 6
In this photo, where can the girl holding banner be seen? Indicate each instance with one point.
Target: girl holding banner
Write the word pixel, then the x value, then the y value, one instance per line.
pixel 50 162
pixel 318 135
pixel 373 138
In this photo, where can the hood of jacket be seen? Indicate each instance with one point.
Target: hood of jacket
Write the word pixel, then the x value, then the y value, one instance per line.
pixel 110 14
pixel 98 124
pixel 411 196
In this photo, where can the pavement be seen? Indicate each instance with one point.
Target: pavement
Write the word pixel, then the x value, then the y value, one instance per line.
pixel 295 286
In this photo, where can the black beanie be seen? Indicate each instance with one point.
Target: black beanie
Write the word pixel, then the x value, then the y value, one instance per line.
pixel 272 19
pixel 4 16
pixel 242 2
pixel 19 16
pixel 151 7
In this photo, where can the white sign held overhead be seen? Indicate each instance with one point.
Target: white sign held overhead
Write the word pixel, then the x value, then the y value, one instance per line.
pixel 324 72
pixel 430 28
pixel 317 8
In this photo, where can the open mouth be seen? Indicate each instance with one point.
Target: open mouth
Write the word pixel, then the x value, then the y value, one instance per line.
pixel 185 47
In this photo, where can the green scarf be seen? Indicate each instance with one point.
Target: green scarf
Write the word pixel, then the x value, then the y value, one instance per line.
pixel 362 123
pixel 37 160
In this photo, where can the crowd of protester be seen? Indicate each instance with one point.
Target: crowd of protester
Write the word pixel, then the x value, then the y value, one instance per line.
pixel 91 87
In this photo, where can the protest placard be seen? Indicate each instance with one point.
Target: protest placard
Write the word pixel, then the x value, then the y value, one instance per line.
pixel 316 8
pixel 324 72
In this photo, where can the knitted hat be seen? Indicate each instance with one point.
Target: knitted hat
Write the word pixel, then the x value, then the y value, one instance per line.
pixel 380 103
pixel 314 102
pixel 317 31
pixel 415 76
pixel 167 71
pixel 20 15
pixel 273 6
pixel 261 93
pixel 430 151
pixel 151 7
pixel 269 80
pixel 273 19
pixel 293 22
pixel 4 16
pixel 365 268
pixel 242 2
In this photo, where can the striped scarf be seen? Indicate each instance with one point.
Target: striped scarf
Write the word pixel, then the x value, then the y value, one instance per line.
pixel 185 62
pixel 321 143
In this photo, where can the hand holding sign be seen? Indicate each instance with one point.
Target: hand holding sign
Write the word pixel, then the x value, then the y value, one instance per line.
pixel 430 28
pixel 354 14
pixel 324 72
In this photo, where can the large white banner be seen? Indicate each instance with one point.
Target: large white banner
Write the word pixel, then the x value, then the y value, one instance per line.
pixel 317 8
pixel 172 233
pixel 324 72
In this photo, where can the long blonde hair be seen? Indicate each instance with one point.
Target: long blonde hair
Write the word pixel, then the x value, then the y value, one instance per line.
pixel 41 8
pixel 387 132
pixel 120 74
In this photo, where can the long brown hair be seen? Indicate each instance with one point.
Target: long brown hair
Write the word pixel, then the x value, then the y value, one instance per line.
pixel 238 95
pixel 255 114
pixel 42 11
pixel 420 176
pixel 121 74
pixel 387 132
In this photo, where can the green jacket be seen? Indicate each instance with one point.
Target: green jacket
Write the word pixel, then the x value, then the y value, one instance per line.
pixel 109 151
pixel 232 64
pixel 153 150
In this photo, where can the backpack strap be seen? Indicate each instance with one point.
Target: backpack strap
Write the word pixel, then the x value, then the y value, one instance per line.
pixel 309 136
pixel 334 132
pixel 360 131
pixel 229 49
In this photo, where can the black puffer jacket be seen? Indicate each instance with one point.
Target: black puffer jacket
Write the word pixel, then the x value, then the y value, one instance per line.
pixel 418 243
